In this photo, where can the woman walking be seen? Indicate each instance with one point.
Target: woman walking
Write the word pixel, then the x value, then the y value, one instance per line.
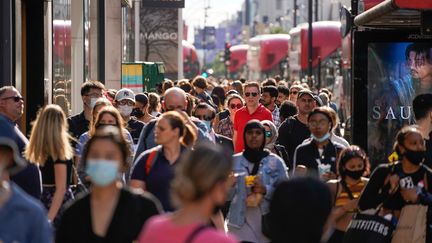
pixel 50 148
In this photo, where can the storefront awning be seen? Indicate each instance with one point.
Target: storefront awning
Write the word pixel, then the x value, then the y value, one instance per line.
pixel 390 13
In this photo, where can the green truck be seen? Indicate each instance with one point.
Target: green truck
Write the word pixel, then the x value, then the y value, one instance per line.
pixel 142 76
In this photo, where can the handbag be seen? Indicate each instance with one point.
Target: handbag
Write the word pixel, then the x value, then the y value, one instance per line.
pixel 370 228
pixel 411 227
pixel 79 187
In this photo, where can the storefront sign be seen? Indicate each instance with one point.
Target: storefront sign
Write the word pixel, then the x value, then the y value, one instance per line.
pixel 163 3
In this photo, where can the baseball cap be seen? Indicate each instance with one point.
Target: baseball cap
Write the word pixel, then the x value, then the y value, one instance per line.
pixel 124 94
pixel 314 96
pixel 19 162
pixel 142 98
pixel 305 92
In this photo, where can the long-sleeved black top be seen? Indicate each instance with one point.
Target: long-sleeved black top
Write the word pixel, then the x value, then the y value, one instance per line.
pixel 377 192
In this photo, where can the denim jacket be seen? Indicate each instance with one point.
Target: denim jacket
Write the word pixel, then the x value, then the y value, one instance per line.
pixel 271 170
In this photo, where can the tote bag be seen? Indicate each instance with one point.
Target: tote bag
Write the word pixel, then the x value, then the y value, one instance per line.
pixel 370 228
pixel 411 227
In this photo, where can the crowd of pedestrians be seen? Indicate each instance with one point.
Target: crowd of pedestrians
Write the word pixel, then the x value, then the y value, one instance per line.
pixel 202 161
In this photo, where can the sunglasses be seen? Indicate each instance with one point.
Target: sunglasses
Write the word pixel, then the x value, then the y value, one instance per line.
pixel 293 92
pixel 247 94
pixel 126 102
pixel 238 106
pixel 203 117
pixel 268 134
pixel 14 98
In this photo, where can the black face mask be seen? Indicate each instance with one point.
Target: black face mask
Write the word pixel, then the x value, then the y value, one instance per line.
pixel 355 174
pixel 415 157
pixel 137 112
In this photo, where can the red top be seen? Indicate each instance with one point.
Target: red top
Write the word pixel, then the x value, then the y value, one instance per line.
pixel 161 229
pixel 242 117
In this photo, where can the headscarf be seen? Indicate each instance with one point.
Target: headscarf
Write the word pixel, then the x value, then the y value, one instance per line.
pixel 273 138
pixel 254 155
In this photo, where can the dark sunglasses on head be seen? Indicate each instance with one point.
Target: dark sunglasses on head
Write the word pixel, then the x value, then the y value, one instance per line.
pixel 268 134
pixel 203 117
pixel 238 106
pixel 15 98
pixel 247 94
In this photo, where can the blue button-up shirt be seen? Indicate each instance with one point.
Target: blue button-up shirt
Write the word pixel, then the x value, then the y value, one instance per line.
pixel 23 219
pixel 28 179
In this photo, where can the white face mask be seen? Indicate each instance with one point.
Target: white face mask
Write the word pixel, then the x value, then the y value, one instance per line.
pixel 125 110
pixel 93 102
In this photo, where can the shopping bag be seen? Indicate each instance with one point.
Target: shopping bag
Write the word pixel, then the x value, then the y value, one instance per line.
pixel 411 227
pixel 368 228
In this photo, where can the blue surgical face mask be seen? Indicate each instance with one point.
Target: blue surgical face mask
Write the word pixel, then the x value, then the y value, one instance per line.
pixel 93 102
pixel 208 125
pixel 321 139
pixel 102 172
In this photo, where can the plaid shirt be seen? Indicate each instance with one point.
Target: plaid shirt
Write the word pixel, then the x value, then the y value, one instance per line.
pixel 276 116
pixel 225 127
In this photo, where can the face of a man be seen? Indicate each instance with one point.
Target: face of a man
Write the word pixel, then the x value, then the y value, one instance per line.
pixel 174 102
pixel 251 96
pixel 267 99
pixel 305 104
pixel 281 98
pixel 293 95
pixel 420 68
pixel 12 104
pixel 90 98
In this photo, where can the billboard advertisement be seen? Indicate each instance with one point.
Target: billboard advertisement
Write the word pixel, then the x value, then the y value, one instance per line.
pixel 159 39
pixel 397 71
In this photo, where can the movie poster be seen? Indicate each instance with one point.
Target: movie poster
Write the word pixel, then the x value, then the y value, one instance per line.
pixel 159 38
pixel 397 72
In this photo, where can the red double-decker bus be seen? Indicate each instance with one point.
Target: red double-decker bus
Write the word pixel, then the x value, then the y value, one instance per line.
pixel 191 65
pixel 267 55
pixel 326 44
pixel 238 65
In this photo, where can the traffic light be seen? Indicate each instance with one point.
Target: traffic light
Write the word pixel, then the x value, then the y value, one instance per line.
pixel 227 55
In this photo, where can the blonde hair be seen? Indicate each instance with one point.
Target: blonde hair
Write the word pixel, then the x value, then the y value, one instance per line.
pixel 198 173
pixel 111 110
pixel 49 137
pixel 99 102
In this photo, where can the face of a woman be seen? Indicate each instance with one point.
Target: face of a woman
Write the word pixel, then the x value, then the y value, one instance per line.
pixel 108 119
pixel 319 125
pixel 97 109
pixel 234 105
pixel 268 131
pixel 164 132
pixel 104 149
pixel 354 164
pixel 254 138
pixel 413 141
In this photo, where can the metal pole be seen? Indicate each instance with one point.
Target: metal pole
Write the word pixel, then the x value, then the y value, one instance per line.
pixel 180 63
pixel 295 14
pixel 319 73
pixel 6 43
pixel 137 29
pixel 310 47
pixel 204 44
pixel 316 10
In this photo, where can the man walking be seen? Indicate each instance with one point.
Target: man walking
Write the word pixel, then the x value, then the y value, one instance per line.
pixel 252 110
